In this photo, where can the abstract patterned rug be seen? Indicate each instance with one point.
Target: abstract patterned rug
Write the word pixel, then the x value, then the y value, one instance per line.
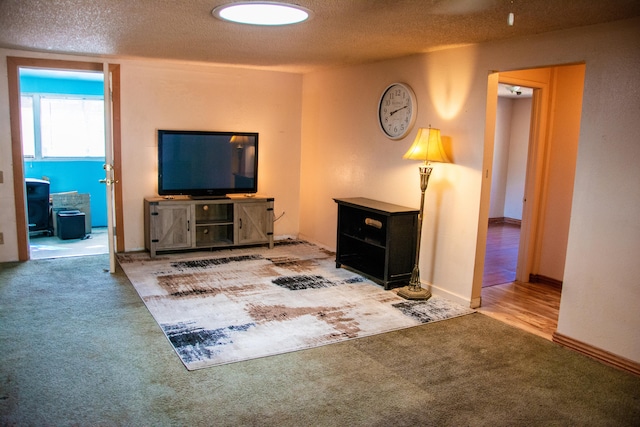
pixel 231 305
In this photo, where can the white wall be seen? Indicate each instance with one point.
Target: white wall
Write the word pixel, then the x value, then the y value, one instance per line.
pixel 344 154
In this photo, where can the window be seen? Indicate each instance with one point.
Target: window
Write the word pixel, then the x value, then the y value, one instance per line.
pixel 56 126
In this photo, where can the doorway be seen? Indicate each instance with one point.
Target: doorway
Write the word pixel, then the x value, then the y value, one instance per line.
pixel 513 123
pixel 14 64
pixel 63 137
pixel 550 170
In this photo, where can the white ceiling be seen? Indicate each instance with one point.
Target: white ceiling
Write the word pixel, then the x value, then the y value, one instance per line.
pixel 341 32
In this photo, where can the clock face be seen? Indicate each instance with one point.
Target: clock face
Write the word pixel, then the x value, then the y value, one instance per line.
pixel 397 110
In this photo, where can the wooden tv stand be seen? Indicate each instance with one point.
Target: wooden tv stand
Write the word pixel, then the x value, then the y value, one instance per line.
pixel 185 223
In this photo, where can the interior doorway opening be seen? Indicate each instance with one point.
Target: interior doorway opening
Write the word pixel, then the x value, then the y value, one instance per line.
pixel 112 141
pixel 513 125
pixel 63 143
pixel 532 299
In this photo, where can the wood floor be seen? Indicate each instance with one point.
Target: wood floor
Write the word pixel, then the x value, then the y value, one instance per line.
pixel 530 306
pixel 502 254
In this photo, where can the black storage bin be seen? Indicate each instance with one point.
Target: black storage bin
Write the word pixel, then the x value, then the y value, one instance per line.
pixel 70 225
pixel 38 206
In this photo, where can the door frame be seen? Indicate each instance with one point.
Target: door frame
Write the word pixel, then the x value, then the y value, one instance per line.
pixel 13 65
pixel 536 157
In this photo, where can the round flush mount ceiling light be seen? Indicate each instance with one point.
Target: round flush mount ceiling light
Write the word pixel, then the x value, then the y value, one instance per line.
pixel 262 13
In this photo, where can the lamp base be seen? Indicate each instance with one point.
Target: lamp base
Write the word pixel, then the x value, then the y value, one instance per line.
pixel 414 293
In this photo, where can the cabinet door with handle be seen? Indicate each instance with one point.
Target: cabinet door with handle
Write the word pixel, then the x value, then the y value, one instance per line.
pixel 251 223
pixel 170 226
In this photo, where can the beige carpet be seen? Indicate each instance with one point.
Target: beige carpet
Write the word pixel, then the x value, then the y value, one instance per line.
pixel 231 305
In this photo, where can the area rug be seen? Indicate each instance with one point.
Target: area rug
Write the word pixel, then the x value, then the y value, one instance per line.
pixel 231 305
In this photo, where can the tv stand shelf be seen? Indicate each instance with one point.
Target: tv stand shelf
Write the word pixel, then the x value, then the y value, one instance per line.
pixel 377 239
pixel 182 224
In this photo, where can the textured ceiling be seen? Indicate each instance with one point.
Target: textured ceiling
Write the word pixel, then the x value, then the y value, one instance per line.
pixel 341 32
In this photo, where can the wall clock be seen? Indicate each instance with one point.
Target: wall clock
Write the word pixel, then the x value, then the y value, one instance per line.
pixel 397 110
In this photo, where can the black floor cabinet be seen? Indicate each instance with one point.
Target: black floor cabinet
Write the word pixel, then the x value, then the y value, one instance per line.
pixel 377 239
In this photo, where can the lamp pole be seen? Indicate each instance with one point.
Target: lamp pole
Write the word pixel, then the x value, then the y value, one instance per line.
pixel 415 291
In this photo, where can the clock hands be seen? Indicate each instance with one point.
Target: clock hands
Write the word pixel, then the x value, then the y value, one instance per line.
pixel 395 111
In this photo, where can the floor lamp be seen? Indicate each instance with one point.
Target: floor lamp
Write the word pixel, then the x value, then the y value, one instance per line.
pixel 427 147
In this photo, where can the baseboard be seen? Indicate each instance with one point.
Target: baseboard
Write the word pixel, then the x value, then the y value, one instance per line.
pixel 505 220
pixel 538 278
pixel 598 354
pixel 449 295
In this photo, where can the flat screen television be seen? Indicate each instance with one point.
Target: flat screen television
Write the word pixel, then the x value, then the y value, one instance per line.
pixel 207 164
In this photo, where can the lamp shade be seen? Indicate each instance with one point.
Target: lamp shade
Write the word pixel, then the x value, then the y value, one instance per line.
pixel 239 139
pixel 427 147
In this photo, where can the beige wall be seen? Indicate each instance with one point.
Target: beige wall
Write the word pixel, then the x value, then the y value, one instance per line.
pixel 601 293
pixel 344 154
pixel 161 95
pixel 169 95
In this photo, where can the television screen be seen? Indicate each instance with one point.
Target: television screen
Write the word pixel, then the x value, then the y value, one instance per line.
pixel 201 164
